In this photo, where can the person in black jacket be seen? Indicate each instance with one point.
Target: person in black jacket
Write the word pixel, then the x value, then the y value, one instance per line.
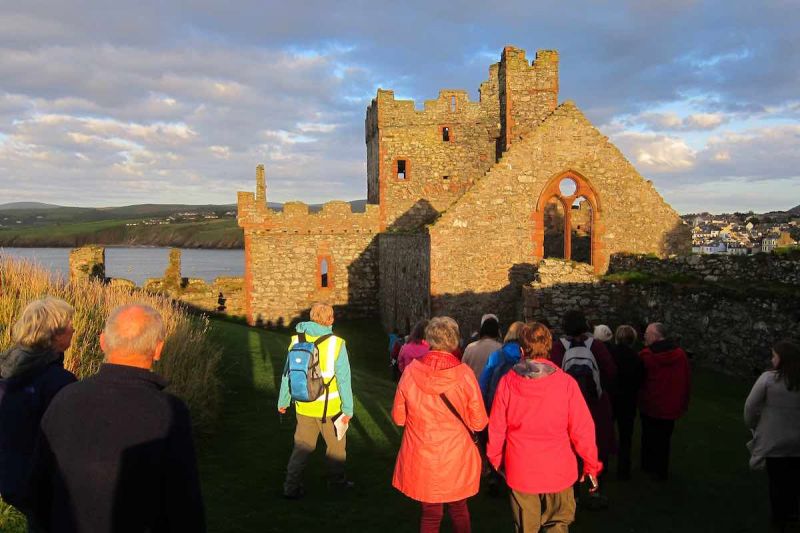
pixel 32 373
pixel 116 453
pixel 630 373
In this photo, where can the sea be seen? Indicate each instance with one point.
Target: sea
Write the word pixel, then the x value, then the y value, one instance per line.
pixel 140 263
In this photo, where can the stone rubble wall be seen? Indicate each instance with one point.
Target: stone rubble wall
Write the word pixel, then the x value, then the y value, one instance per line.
pixel 723 328
pixel 751 268
pixel 87 262
pixel 285 278
pixel 396 130
pixel 224 295
pixel 488 235
pixel 528 92
pixel 404 292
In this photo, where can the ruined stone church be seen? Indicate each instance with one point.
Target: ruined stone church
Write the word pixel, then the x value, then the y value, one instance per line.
pixel 464 199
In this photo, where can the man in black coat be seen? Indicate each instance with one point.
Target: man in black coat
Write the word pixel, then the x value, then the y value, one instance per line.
pixel 116 453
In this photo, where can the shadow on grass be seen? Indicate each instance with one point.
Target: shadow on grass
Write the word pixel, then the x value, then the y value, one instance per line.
pixel 243 463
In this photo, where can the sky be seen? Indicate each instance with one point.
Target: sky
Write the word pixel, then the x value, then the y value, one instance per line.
pixel 112 103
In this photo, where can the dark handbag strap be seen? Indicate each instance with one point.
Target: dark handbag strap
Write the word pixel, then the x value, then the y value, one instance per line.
pixel 453 410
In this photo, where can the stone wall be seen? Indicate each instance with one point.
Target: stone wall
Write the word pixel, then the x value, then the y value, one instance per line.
pixel 284 255
pixel 528 92
pixel 438 171
pixel 87 262
pixel 404 280
pixel 751 268
pixel 495 231
pixel 728 327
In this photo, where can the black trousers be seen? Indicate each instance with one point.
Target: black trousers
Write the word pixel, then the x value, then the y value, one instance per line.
pixel 784 491
pixel 656 437
pixel 624 415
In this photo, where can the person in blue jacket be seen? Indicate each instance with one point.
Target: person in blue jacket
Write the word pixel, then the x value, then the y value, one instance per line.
pixel 499 362
pixel 318 416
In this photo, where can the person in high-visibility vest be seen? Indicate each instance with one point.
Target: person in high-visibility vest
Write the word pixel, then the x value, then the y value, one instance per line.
pixel 318 416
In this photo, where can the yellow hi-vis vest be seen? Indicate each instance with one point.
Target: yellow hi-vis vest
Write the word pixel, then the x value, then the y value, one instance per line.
pixel 328 354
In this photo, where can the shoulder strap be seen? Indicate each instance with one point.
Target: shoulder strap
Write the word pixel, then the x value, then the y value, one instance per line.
pixel 453 410
pixel 322 339
pixel 301 337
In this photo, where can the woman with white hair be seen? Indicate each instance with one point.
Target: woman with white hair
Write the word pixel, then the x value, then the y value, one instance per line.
pixel 439 404
pixel 32 373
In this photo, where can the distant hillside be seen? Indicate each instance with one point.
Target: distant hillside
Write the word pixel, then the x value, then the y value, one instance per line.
pixel 27 205
pixel 31 224
pixel 794 211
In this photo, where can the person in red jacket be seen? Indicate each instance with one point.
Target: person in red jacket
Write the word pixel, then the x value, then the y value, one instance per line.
pixel 539 421
pixel 663 397
pixel 439 403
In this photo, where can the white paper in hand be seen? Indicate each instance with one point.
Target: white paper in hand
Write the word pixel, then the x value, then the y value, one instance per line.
pixel 340 426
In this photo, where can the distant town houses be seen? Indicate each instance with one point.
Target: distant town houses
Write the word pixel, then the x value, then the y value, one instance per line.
pixel 743 234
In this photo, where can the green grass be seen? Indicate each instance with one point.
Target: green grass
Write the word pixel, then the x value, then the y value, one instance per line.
pixel 242 464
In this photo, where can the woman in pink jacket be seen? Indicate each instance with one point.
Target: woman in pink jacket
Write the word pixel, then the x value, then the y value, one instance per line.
pixel 415 347
pixel 538 418
pixel 439 403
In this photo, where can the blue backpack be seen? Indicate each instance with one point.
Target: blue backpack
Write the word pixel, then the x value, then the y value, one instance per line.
pixel 306 383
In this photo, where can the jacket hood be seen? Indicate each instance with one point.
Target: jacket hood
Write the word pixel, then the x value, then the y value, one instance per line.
pixel 534 369
pixel 313 329
pixel 20 361
pixel 510 351
pixel 665 353
pixel 435 380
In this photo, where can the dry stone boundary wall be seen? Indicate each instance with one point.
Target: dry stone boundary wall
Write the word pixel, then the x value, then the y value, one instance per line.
pixel 730 330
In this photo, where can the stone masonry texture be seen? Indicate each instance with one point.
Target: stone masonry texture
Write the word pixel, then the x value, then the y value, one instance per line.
pixel 727 320
pixel 455 220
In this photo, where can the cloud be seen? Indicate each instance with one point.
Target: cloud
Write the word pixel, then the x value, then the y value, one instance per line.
pixel 187 101
pixel 652 153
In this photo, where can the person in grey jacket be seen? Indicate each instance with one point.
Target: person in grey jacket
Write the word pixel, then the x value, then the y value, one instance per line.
pixel 772 413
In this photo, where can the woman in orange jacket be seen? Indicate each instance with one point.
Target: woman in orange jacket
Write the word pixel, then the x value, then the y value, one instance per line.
pixel 439 403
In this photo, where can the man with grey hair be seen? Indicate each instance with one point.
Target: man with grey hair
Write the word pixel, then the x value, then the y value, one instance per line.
pixel 663 397
pixel 116 452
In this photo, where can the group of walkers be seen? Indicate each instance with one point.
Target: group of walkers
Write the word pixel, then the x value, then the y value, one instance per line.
pixel 525 411
pixel 551 405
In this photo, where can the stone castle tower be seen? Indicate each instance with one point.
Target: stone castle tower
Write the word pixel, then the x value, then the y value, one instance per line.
pixel 464 199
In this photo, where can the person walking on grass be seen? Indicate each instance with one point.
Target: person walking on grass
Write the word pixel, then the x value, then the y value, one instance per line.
pixel 663 397
pixel 318 416
pixel 477 353
pixel 439 404
pixel 630 372
pixel 116 452
pixel 539 422
pixel 415 347
pixel 589 362
pixel 772 413
pixel 32 373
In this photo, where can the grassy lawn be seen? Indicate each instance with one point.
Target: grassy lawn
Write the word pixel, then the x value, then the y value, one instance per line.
pixel 242 464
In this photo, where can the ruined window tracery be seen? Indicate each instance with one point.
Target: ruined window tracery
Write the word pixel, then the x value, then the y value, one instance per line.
pixel 568 220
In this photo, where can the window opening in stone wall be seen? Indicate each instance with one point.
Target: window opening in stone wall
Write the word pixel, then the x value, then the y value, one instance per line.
pixel 453 104
pixel 567 187
pixel 445 178
pixel 554 229
pixel 323 273
pixel 401 169
pixel 581 230
pixel 446 134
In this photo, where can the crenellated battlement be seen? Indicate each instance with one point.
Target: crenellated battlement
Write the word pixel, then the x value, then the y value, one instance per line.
pixel 335 217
